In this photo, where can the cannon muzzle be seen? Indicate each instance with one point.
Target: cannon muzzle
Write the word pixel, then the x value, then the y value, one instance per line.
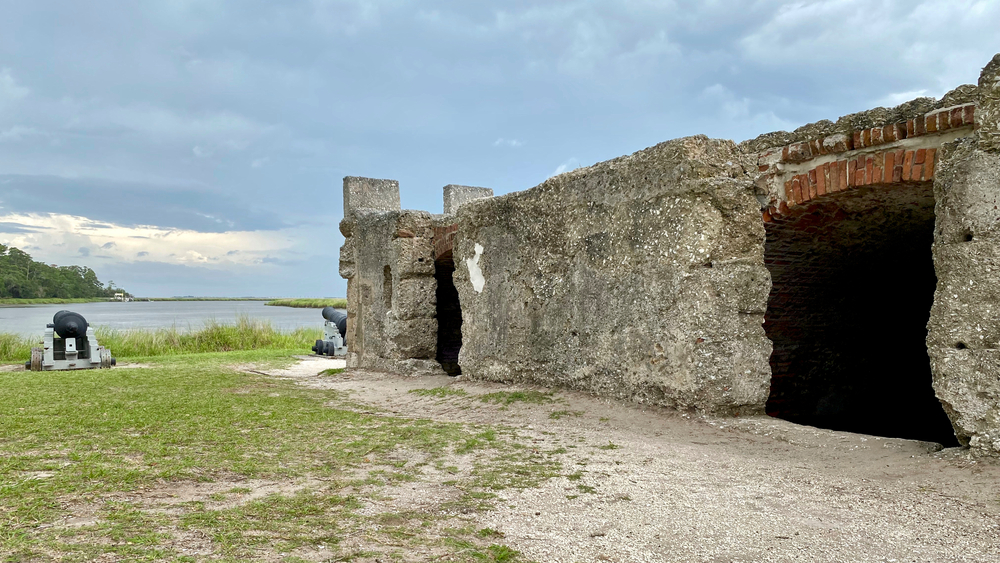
pixel 336 317
pixel 68 324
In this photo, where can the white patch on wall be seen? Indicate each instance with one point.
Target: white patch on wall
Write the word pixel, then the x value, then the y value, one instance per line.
pixel 475 272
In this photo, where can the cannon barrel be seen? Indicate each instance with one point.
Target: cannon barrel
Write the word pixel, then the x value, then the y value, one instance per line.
pixel 338 318
pixel 68 324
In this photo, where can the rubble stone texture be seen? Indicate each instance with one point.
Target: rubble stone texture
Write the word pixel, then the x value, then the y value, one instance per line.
pixel 647 277
pixel 455 196
pixel 370 193
pixel 388 261
pixel 989 106
pixel 963 338
pixel 638 278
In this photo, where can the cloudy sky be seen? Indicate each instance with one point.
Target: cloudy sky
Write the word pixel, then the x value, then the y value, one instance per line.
pixel 197 147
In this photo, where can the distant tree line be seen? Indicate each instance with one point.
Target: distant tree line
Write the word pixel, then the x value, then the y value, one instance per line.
pixel 23 278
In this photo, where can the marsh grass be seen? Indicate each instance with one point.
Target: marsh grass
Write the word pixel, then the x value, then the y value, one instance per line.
pixel 335 302
pixel 114 440
pixel 206 298
pixel 14 347
pixel 51 301
pixel 246 333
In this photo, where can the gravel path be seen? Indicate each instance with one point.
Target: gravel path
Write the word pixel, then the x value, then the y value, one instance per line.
pixel 649 484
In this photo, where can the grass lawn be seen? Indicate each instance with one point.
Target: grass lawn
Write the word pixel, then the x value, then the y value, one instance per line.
pixel 191 458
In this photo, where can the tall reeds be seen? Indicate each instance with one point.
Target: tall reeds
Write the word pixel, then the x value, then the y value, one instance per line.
pixel 335 302
pixel 246 333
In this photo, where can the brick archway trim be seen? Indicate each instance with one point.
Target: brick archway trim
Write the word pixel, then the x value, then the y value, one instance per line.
pixel 900 152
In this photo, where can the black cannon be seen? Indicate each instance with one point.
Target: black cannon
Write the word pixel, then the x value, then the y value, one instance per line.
pixel 68 324
pixel 334 334
pixel 67 345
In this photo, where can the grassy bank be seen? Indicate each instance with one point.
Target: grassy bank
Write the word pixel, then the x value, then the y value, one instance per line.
pixel 50 301
pixel 337 302
pixel 246 334
pixel 191 459
pixel 58 301
pixel 204 298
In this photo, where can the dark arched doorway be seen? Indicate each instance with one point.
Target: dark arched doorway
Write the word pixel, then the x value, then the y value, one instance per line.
pixel 852 286
pixel 449 315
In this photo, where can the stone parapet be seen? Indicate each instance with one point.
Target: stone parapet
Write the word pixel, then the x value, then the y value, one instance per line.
pixel 455 196
pixel 370 193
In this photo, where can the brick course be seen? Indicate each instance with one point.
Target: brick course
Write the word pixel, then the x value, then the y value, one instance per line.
pixel 444 239
pixel 891 165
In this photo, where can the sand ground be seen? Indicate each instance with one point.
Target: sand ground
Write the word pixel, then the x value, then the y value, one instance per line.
pixel 650 484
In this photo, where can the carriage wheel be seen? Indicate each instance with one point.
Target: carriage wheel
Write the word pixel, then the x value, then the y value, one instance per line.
pixel 36 359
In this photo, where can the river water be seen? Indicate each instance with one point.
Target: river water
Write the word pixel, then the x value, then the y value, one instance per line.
pixel 184 315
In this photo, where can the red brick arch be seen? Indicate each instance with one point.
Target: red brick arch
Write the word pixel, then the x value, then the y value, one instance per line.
pixel 895 153
pixel 849 224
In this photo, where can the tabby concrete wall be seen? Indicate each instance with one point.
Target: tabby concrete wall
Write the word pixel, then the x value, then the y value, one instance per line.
pixel 963 337
pixel 387 259
pixel 644 278
pixel 640 278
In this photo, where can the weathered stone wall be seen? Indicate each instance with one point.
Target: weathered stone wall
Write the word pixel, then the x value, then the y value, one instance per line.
pixel 638 278
pixel 964 330
pixel 388 261
pixel 644 277
pixel 456 195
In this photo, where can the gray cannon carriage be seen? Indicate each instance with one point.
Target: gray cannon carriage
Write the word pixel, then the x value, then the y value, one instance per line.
pixel 334 330
pixel 67 345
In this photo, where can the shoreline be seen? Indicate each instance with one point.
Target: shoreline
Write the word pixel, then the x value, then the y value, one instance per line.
pixel 319 303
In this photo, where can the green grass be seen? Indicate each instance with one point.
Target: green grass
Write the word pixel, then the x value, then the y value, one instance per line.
pixel 14 347
pixel 335 302
pixel 114 443
pixel 439 392
pixel 246 333
pixel 50 301
pixel 205 298
pixel 510 397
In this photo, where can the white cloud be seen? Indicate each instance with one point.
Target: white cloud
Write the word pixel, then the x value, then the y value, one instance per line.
pixel 885 41
pixel 144 243
pixel 896 98
pixel 571 164
pixel 259 162
pixel 350 16
pixel 513 143
pixel 10 90
pixel 735 109
pixel 222 128
pixel 17 133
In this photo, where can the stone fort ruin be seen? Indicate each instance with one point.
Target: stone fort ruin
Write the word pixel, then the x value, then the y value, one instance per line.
pixel 845 275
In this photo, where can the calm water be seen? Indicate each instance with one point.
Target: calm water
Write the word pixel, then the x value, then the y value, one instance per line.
pixel 185 315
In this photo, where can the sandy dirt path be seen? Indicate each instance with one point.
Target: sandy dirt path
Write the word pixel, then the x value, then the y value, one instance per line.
pixel 650 484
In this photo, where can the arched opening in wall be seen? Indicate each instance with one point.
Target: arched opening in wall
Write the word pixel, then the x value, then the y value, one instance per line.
pixel 449 315
pixel 852 287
